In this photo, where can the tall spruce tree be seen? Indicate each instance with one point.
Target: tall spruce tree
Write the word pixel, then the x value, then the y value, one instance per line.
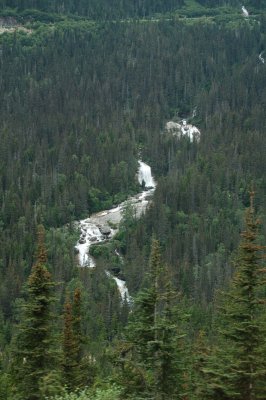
pixel 73 361
pixel 35 357
pixel 200 360
pixel 238 369
pixel 69 348
pixel 77 328
pixel 151 360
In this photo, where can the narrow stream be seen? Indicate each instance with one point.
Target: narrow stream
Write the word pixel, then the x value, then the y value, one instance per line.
pixel 96 228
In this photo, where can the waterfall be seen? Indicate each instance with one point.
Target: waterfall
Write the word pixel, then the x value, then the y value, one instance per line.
pixel 95 229
pixel 144 175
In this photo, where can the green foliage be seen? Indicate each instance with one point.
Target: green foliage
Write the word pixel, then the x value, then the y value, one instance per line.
pixel 100 251
pixel 50 384
pixel 34 358
pixel 111 392
pixel 151 357
pixel 78 99
pixel 127 222
pixel 237 369
pixel 5 392
pixel 70 362
pixel 78 366
pixel 101 9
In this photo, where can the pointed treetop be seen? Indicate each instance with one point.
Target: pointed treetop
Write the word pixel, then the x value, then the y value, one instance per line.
pixel 250 232
pixel 155 257
pixel 77 295
pixel 41 251
pixel 251 197
pixel 39 273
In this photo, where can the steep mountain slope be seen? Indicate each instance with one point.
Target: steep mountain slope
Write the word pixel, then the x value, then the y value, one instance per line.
pixel 81 99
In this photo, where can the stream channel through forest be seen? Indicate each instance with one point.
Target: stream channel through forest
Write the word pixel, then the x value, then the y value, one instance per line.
pixel 98 228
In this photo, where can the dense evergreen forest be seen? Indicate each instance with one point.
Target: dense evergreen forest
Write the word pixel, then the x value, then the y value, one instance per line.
pixel 87 88
pixel 98 9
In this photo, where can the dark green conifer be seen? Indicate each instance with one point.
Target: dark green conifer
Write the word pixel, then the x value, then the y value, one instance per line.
pixel 200 359
pixel 35 356
pixel 238 369
pixel 78 369
pixel 69 348
pixel 151 360
pixel 77 328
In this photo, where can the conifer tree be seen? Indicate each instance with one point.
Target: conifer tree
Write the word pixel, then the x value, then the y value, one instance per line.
pixel 238 371
pixel 77 329
pixel 169 358
pixel 77 369
pixel 35 356
pixel 201 358
pixel 150 357
pixel 69 348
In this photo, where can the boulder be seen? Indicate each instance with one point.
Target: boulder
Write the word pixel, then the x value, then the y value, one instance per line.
pixel 105 230
pixel 172 126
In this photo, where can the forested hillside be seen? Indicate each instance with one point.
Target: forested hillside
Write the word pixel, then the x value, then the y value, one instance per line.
pixel 86 90
pixel 98 9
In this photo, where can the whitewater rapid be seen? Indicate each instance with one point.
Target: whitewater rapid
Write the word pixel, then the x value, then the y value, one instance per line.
pixel 98 228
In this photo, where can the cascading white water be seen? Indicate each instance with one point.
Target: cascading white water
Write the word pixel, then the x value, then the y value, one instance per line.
pixel 96 228
pixel 261 58
pixel 145 175
pixel 183 129
pixel 90 234
pixel 245 11
pixel 122 287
